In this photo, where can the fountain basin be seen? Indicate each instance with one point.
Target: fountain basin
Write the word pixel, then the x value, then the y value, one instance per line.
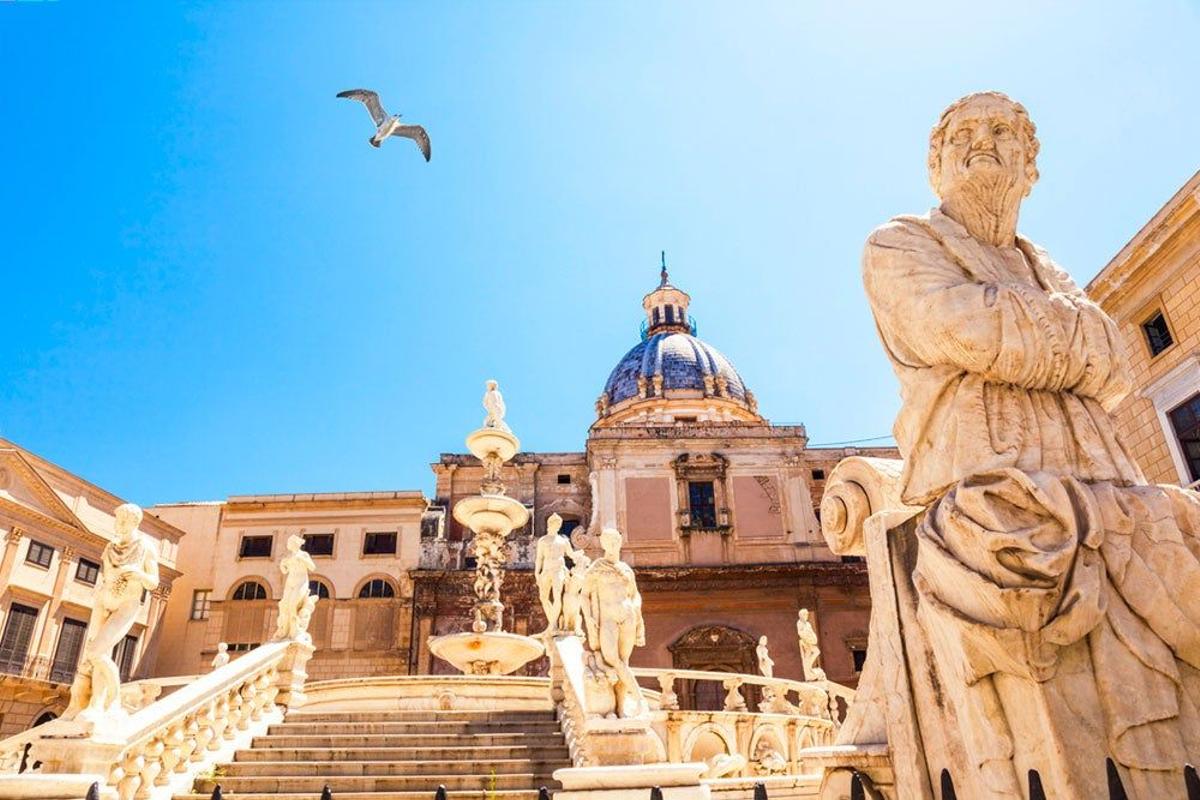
pixel 486 441
pixel 488 653
pixel 491 512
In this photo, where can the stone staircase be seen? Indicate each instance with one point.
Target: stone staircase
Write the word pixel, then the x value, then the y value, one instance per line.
pixel 396 755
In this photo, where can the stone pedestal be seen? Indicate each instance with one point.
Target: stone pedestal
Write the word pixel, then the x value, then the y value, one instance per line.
pixel 677 781
pixel 293 672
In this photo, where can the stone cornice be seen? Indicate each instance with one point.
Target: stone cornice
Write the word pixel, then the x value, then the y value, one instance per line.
pixel 321 502
pixel 1127 268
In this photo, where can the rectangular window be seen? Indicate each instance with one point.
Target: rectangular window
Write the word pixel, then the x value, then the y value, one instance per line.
pixel 702 504
pixel 87 572
pixel 40 554
pixel 66 653
pixel 1185 419
pixel 318 544
pixel 378 544
pixel 201 603
pixel 670 315
pixel 242 647
pixel 818 474
pixel 14 643
pixel 564 480
pixel 123 655
pixel 860 658
pixel 255 547
pixel 1158 335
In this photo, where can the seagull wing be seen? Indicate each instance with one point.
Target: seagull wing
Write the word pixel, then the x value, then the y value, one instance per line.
pixel 418 135
pixel 370 100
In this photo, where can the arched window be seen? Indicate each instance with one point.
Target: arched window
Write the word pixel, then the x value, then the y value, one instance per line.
pixel 250 590
pixel 377 587
pixel 319 588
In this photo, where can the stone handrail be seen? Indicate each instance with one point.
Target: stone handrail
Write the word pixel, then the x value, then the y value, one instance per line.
pixel 154 751
pixel 815 698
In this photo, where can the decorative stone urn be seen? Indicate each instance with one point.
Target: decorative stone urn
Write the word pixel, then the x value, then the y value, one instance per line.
pixel 487 649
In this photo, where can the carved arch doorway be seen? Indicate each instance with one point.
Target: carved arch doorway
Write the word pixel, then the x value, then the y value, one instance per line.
pixel 713 648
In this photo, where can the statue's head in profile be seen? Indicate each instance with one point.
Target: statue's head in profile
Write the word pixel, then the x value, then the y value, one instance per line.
pixel 983 149
pixel 294 543
pixel 126 519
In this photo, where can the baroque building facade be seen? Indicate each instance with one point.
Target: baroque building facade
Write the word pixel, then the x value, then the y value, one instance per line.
pixel 1151 288
pixel 719 507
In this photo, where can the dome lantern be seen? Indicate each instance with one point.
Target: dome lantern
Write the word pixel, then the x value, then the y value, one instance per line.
pixel 671 376
pixel 666 307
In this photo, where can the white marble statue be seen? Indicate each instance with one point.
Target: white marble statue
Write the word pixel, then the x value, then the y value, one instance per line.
pixel 612 614
pixel 128 567
pixel 724 765
pixel 766 664
pixel 222 656
pixel 295 603
pixel 551 573
pixel 594 484
pixel 493 404
pixel 810 652
pixel 572 602
pixel 1054 588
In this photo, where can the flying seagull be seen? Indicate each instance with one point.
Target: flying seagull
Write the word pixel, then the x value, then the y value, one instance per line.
pixel 387 125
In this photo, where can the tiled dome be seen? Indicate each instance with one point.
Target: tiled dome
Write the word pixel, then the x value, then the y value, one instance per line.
pixel 682 361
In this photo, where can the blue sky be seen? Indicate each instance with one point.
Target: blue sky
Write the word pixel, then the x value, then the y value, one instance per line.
pixel 213 285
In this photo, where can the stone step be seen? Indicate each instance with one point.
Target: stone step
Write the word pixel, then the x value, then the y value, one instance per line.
pixel 410 739
pixel 252 769
pixel 558 752
pixel 389 728
pixel 418 716
pixel 452 794
pixel 481 784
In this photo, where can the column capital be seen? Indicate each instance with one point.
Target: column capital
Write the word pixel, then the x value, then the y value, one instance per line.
pixel 14 535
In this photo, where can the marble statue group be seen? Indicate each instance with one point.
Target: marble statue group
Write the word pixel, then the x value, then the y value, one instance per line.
pixel 1049 597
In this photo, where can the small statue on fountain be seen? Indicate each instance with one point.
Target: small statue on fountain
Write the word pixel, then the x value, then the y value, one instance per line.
pixel 766 664
pixel 493 403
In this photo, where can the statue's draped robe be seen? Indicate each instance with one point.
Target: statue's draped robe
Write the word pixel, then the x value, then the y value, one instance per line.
pixel 1059 593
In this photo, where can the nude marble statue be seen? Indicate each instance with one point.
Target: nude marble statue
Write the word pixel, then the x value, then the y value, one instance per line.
pixel 1055 588
pixel 128 567
pixel 766 664
pixel 551 573
pixel 612 614
pixel 295 605
pixel 810 652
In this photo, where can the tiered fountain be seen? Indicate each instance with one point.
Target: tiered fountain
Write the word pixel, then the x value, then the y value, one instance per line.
pixel 487 649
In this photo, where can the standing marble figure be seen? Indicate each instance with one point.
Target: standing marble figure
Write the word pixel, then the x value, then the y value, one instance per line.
pixel 295 603
pixel 810 652
pixel 612 614
pixel 766 664
pixel 550 572
pixel 128 567
pixel 1056 590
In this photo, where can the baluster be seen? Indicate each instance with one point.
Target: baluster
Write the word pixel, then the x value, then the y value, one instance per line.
pixel 232 703
pixel 151 767
pixel 668 700
pixel 262 685
pixel 208 736
pixel 173 754
pixel 193 748
pixel 217 717
pixel 246 693
pixel 132 766
pixel 733 697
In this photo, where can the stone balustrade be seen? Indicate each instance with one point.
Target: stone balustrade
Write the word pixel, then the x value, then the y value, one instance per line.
pixel 771 737
pixel 156 750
